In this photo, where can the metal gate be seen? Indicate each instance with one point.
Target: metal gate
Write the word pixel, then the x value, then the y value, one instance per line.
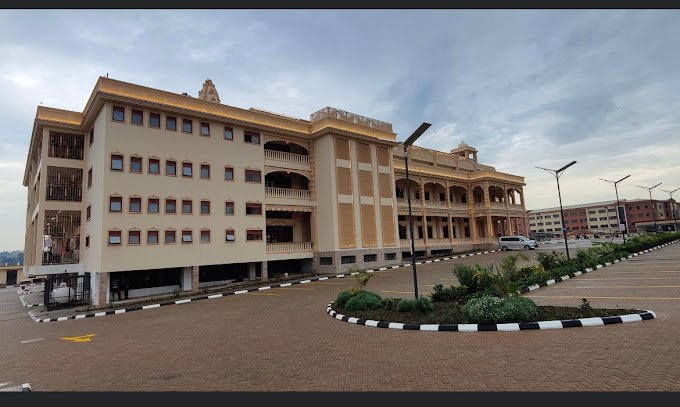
pixel 66 290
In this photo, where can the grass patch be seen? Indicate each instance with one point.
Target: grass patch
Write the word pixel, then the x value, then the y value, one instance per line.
pixel 452 313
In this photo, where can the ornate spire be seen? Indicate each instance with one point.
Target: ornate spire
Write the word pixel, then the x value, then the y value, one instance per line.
pixel 209 92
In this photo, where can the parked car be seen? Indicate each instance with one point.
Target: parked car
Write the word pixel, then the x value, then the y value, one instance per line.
pixel 516 243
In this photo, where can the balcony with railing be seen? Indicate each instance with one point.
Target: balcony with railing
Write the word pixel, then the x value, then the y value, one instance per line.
pixel 462 240
pixel 287 157
pixel 404 201
pixel 459 205
pixel 436 204
pixel 289 247
pixel 438 241
pixel 273 192
pixel 497 205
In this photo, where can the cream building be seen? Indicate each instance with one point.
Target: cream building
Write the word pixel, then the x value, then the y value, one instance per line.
pixel 159 192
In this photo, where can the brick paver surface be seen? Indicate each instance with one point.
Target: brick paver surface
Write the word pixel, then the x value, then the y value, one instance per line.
pixel 282 339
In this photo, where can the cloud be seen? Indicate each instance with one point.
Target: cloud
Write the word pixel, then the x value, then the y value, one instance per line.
pixel 525 87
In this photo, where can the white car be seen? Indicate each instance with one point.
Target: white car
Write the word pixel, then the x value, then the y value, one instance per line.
pixel 516 243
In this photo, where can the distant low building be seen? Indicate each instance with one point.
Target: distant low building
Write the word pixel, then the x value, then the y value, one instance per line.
pixel 601 217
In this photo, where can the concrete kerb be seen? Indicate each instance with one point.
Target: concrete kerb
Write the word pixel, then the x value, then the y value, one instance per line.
pixel 228 293
pixel 508 327
pixel 22 388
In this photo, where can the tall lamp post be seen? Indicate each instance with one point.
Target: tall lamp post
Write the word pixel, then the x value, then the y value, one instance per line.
pixel 651 203
pixel 618 219
pixel 670 201
pixel 556 174
pixel 406 144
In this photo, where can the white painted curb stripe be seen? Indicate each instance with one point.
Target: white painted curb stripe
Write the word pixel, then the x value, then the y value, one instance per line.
pixel 550 325
pixel 183 301
pixel 210 297
pixel 147 307
pixel 591 321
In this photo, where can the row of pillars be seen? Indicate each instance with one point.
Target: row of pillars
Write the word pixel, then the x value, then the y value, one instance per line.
pixel 470 196
pixel 474 234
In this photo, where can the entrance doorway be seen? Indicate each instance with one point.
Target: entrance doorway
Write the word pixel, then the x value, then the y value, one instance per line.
pixel 11 277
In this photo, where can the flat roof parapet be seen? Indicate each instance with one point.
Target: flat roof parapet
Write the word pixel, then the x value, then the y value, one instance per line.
pixel 349 117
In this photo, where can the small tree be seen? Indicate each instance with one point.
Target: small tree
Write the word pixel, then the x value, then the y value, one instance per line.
pixel 362 279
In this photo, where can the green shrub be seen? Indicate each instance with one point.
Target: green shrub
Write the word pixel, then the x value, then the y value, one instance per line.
pixel 390 303
pixel 423 304
pixel 466 276
pixel 363 300
pixel 550 260
pixel 342 298
pixel 490 310
pixel 453 293
pixel 362 279
pixel 406 305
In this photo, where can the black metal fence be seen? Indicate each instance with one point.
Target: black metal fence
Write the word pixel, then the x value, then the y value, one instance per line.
pixel 66 290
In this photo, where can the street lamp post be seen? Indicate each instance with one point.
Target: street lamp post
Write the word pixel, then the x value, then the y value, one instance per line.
pixel 651 203
pixel 556 174
pixel 670 202
pixel 618 219
pixel 406 144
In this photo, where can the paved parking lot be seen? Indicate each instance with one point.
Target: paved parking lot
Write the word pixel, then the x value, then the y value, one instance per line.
pixel 282 339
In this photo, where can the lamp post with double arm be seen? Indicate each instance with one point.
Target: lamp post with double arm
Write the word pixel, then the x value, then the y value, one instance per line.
pixel 618 218
pixel 670 203
pixel 406 144
pixel 651 202
pixel 556 174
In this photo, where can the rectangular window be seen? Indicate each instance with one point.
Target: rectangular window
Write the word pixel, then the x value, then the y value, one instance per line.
pixel 137 117
pixel 153 205
pixel 228 133
pixel 118 114
pixel 187 169
pixel 326 261
pixel 115 204
pixel 205 207
pixel 187 126
pixel 251 137
pixel 187 206
pixel 368 258
pixel 230 236
pixel 136 164
pixel 116 162
pixel 91 136
pixel 134 237
pixel 205 129
pixel 228 208
pixel 254 234
pixel 253 176
pixel 170 168
pixel 135 205
pixel 205 236
pixel 348 259
pixel 87 241
pixel 89 178
pixel 154 166
pixel 152 237
pixel 169 236
pixel 187 236
pixel 390 256
pixel 253 209
pixel 114 237
pixel 171 123
pixel 228 174
pixel 155 120
pixel 205 171
pixel 170 206
pixel 88 212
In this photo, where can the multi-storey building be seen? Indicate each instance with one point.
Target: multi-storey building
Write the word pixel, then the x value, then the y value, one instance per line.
pixel 599 217
pixel 158 192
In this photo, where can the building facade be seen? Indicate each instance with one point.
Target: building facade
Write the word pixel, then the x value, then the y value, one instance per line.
pixel 600 217
pixel 151 192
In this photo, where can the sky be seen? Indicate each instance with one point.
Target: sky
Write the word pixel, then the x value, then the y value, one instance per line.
pixel 527 88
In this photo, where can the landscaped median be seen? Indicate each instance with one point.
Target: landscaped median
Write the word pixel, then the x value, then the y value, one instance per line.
pixel 488 297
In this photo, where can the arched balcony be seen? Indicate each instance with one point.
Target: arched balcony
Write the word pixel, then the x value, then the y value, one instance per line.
pixel 285 184
pixel 458 197
pixel 435 194
pixel 283 150
pixel 496 196
pixel 401 191
pixel 478 196
pixel 515 197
